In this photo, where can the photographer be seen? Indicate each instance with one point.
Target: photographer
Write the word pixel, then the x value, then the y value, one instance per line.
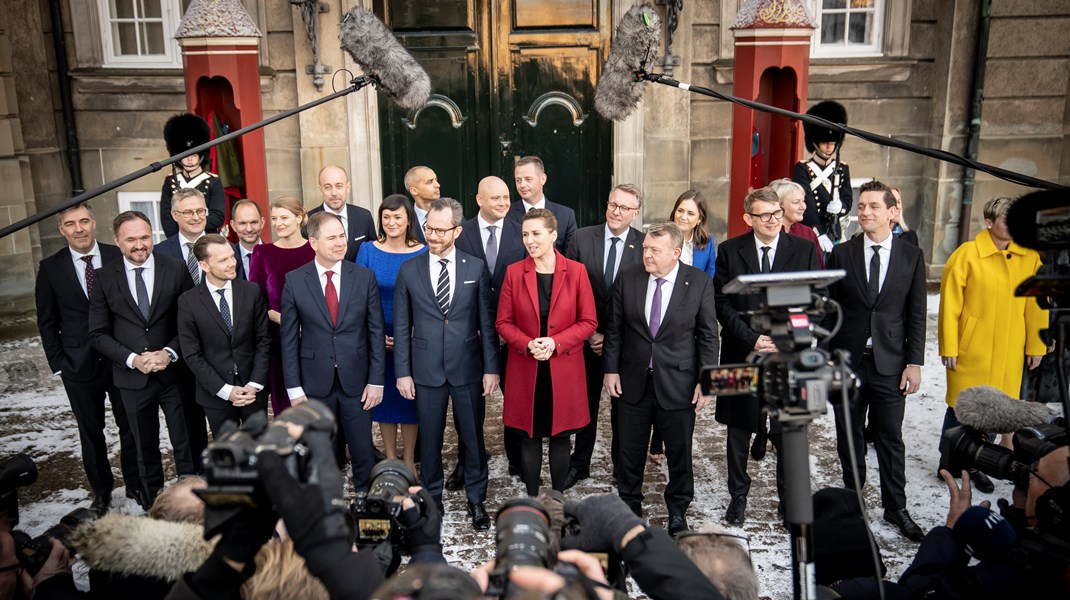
pixel 1009 560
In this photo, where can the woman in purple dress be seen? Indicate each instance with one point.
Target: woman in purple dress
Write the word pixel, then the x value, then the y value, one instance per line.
pixel 268 267
pixel 396 244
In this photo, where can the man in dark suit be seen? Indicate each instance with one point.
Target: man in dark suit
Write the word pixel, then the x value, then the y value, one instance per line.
pixel 445 346
pixel 63 320
pixel 357 221
pixel 190 212
pixel 661 329
pixel 333 339
pixel 883 303
pixel 763 250
pixel 133 321
pixel 223 331
pixel 422 184
pixel 247 223
pixel 605 250
pixel 530 176
pixel 498 242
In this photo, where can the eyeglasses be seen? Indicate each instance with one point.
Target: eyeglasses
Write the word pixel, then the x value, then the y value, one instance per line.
pixel 436 231
pixel 766 217
pixel 614 207
pixel 189 214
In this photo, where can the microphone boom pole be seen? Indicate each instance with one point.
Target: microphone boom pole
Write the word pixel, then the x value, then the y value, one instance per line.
pixel 356 85
pixel 882 140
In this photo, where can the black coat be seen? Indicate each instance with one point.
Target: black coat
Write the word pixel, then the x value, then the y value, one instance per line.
pixel 63 316
pixel 896 321
pixel 588 246
pixel 686 340
pixel 735 257
pixel 361 228
pixel 510 250
pixel 117 329
pixel 211 354
pixel 566 220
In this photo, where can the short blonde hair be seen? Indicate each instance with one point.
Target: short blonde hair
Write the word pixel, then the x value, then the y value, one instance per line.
pixel 281 574
pixel 177 504
pixel 292 204
pixel 998 207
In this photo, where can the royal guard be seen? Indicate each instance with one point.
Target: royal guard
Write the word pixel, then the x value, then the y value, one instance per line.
pixel 181 133
pixel 825 179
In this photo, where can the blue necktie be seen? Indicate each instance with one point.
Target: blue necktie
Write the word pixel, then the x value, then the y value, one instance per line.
pixel 224 309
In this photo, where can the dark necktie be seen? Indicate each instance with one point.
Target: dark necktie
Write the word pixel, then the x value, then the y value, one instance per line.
pixel 875 275
pixel 90 277
pixel 492 249
pixel 442 291
pixel 142 292
pixel 331 296
pixel 224 310
pixel 655 314
pixel 191 265
pixel 766 266
pixel 611 262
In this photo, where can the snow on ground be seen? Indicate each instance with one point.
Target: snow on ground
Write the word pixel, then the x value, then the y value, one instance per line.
pixel 35 419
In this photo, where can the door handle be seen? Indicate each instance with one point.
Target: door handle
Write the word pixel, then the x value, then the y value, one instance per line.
pixel 506 144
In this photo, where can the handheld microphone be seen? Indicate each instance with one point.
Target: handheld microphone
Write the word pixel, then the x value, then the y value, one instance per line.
pixel 1041 220
pixel 381 56
pixel 635 46
pixel 987 409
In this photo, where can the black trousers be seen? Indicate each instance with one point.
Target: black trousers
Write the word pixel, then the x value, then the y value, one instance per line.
pixel 737 453
pixel 196 424
pixel 143 408
pixel 357 425
pixel 586 437
pixel 677 426
pixel 87 400
pixel 886 404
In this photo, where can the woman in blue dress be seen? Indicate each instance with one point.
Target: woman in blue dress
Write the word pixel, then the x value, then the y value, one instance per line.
pixel 396 244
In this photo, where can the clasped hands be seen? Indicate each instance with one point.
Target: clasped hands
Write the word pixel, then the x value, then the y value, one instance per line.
pixel 242 395
pixel 542 348
pixel 152 361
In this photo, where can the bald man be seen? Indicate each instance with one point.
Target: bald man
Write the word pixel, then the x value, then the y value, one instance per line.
pixel 497 242
pixel 334 186
pixel 422 184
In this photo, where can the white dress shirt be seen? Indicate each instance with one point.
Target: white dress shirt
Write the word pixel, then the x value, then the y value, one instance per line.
pixel 759 244
pixel 344 215
pixel 79 264
pixel 666 292
pixel 149 276
pixel 620 250
pixel 182 241
pixel 451 268
pixel 484 233
pixel 540 204
pixel 421 215
pixel 867 255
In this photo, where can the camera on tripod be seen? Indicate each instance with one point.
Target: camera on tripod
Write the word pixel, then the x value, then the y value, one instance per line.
pixel 20 471
pixel 794 382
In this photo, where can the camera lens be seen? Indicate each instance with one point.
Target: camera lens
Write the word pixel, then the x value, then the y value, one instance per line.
pixel 522 534
pixel 391 478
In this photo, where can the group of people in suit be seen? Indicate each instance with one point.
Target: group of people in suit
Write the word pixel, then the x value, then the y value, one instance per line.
pixel 391 323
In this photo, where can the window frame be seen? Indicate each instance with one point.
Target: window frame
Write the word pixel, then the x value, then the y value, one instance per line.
pixel 170 17
pixel 843 50
pixel 126 201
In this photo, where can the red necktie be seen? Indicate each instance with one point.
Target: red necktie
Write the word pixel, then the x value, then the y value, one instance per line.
pixel 331 295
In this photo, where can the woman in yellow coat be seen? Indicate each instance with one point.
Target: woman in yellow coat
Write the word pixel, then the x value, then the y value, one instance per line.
pixel 984 329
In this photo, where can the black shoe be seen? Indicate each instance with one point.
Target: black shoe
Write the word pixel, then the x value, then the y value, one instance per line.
pixel 901 519
pixel 677 524
pixel 575 476
pixel 456 479
pixel 480 518
pixel 139 497
pixel 100 504
pixel 981 482
pixel 514 471
pixel 737 511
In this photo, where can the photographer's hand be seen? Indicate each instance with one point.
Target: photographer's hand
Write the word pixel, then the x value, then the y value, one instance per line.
pixel 961 499
pixel 58 563
pixel 423 524
pixel 603 520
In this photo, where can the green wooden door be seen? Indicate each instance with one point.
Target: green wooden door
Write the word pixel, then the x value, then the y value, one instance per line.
pixel 509 78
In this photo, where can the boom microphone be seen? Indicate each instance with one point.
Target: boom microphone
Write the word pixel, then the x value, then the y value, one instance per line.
pixel 381 56
pixel 1041 220
pixel 987 409
pixel 635 46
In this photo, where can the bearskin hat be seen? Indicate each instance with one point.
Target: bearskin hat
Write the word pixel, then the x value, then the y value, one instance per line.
pixel 828 110
pixel 186 131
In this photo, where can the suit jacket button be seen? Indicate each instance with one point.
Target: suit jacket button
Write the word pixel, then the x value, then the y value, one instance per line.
pixel 446 321
pixel 551 327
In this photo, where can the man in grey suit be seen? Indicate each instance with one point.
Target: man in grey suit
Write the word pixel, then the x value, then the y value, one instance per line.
pixel 333 339
pixel 605 250
pixel 445 346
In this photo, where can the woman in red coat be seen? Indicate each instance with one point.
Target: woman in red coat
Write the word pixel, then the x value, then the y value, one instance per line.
pixel 545 313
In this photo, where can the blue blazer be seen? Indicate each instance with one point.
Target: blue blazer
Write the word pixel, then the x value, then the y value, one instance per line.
pixel 705 259
pixel 312 345
pixel 436 349
pixel 510 250
pixel 566 220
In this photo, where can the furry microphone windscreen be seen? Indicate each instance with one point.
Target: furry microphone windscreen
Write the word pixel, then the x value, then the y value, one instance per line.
pixel 379 54
pixel 987 409
pixel 635 47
